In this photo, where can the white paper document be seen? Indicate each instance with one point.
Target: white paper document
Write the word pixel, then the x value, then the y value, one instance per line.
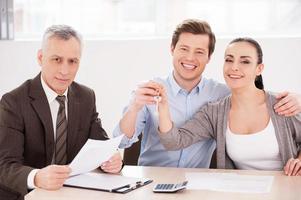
pixel 229 182
pixel 93 154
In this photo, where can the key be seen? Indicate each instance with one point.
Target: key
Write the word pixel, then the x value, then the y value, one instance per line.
pixel 157 99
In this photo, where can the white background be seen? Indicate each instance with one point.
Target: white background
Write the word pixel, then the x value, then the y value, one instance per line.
pixel 114 67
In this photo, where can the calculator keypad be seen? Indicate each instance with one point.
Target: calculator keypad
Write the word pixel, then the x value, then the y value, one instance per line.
pixel 170 187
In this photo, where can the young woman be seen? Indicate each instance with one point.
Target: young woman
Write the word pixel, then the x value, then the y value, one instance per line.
pixel 248 132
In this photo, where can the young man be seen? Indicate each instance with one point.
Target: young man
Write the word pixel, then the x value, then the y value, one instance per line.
pixel 46 121
pixel 192 45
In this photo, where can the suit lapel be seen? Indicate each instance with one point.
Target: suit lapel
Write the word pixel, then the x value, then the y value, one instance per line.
pixel 73 120
pixel 41 106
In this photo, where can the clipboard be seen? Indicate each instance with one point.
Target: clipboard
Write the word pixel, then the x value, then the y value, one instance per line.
pixel 106 182
pixel 130 187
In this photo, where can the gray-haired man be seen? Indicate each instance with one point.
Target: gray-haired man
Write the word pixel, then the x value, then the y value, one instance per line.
pixel 45 121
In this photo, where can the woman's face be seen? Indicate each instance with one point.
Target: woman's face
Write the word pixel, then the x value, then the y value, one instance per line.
pixel 240 65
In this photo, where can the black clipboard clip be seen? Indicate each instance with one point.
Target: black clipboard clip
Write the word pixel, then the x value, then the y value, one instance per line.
pixel 130 187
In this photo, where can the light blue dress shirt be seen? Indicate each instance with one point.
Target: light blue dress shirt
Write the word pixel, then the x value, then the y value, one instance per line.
pixel 183 105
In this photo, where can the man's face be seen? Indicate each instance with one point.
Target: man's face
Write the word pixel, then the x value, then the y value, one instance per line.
pixel 190 56
pixel 59 60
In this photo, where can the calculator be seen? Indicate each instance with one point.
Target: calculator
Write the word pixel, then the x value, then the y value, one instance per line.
pixel 169 188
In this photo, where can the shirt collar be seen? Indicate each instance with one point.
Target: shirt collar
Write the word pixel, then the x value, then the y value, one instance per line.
pixel 176 88
pixel 50 94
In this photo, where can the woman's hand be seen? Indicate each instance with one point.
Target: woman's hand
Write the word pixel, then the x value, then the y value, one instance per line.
pixel 293 167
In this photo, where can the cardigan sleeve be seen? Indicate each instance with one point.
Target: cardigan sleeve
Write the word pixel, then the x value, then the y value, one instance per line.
pixel 296 123
pixel 200 127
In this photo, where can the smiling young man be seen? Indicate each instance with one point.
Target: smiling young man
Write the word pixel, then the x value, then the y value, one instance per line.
pixel 192 45
pixel 46 121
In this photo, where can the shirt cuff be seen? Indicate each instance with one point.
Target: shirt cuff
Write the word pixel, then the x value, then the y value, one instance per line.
pixel 125 141
pixel 30 179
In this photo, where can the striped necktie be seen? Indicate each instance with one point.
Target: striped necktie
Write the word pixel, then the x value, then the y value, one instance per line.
pixel 61 133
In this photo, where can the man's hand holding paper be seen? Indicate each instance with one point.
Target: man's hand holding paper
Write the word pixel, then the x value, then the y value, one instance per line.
pixel 97 153
pixel 113 165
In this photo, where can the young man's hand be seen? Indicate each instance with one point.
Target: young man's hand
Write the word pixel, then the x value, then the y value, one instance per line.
pixel 289 104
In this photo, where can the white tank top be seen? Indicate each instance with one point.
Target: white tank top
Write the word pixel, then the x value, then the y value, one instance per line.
pixel 258 151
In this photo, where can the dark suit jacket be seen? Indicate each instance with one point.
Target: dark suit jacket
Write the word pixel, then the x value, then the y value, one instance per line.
pixel 26 129
pixel 9 194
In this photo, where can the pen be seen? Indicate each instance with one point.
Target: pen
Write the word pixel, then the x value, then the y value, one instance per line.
pixel 130 187
pixel 147 182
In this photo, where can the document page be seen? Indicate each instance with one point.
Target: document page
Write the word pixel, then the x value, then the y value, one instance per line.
pixel 229 182
pixel 93 154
